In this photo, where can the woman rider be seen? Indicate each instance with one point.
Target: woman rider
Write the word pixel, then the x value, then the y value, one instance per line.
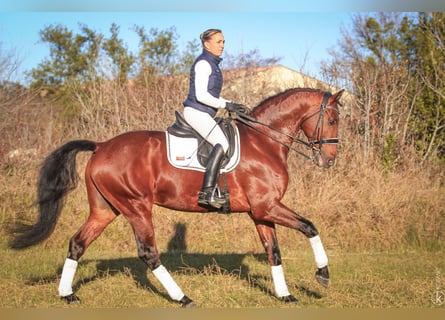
pixel 201 105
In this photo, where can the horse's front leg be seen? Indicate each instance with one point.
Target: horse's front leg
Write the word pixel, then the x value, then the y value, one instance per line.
pixel 266 231
pixel 282 215
pixel 321 259
pixel 308 229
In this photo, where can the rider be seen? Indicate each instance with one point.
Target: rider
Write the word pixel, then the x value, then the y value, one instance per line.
pixel 201 105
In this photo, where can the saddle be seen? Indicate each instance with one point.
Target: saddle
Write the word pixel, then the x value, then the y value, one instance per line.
pixel 180 128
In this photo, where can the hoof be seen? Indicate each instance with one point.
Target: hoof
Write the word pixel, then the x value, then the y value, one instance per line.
pixel 186 302
pixel 322 276
pixel 71 299
pixel 289 299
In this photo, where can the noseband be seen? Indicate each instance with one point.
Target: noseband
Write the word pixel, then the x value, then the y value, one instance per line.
pixel 313 144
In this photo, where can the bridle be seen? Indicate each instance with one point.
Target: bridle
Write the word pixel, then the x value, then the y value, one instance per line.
pixel 319 128
pixel 312 144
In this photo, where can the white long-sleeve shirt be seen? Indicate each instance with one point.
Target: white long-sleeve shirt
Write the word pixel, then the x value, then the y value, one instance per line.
pixel 202 74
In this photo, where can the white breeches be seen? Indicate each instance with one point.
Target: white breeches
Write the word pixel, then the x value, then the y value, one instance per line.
pixel 206 126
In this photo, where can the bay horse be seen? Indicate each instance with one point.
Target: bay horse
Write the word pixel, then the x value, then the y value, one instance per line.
pixel 130 173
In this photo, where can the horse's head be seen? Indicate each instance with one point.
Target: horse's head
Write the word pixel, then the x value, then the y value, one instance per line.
pixel 320 126
pixel 313 111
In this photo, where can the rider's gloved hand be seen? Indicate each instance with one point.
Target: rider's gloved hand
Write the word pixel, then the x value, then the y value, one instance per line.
pixel 237 108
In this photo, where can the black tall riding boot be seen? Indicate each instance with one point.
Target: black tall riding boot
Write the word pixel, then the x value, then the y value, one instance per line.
pixel 207 194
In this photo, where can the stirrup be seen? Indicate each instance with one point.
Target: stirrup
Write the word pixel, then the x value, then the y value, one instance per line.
pixel 208 198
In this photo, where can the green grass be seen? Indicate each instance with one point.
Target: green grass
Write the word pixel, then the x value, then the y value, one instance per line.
pixel 107 278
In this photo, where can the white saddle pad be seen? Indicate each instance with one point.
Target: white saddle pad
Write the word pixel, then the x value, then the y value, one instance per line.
pixel 182 153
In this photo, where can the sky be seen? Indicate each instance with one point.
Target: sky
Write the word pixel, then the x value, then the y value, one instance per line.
pixel 291 36
pixel 301 35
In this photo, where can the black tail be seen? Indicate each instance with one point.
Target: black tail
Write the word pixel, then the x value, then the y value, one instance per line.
pixel 57 177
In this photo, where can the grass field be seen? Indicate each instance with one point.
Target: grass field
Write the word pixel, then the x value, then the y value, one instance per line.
pixel 217 273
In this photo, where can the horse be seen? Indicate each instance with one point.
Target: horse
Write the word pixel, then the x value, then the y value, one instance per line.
pixel 129 173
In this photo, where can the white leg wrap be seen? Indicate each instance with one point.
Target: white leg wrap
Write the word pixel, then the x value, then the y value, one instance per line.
pixel 279 281
pixel 169 284
pixel 321 259
pixel 66 280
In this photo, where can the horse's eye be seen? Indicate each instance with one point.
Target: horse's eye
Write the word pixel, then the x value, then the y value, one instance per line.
pixel 332 122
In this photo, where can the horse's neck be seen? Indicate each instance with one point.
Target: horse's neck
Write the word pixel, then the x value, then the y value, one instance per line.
pixel 284 116
pixel 282 123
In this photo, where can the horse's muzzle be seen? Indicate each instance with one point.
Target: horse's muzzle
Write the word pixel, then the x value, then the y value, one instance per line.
pixel 330 162
pixel 322 160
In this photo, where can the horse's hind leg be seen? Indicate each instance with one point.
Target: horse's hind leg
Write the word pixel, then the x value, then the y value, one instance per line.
pixel 100 216
pixel 146 244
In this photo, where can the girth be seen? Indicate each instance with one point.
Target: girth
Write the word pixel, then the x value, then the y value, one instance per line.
pixel 182 129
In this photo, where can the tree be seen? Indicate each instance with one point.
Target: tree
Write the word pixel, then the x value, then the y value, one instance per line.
pixel 251 59
pixel 71 56
pixel 376 62
pixel 10 91
pixel 428 125
pixel 9 63
pixel 188 56
pixel 116 50
pixel 157 50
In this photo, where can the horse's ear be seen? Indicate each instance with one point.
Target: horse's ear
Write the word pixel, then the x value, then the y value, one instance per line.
pixel 336 96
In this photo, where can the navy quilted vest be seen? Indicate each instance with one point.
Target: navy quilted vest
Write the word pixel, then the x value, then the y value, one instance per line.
pixel 215 83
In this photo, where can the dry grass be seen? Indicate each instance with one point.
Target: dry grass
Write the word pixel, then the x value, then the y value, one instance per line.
pixel 359 208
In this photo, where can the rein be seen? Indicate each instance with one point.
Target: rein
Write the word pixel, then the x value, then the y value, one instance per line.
pixel 250 121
